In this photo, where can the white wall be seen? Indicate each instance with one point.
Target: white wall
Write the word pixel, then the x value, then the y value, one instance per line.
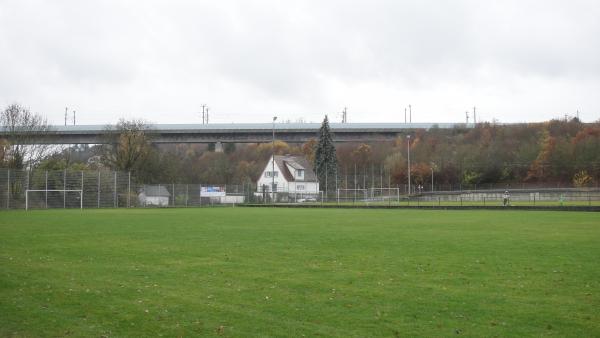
pixel 154 200
pixel 282 184
pixel 232 199
pixel 309 187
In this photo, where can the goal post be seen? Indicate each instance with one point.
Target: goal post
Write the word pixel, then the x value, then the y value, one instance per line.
pixel 352 195
pixel 385 194
pixel 64 191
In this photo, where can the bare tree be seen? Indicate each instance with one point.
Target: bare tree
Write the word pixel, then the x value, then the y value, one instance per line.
pixel 18 127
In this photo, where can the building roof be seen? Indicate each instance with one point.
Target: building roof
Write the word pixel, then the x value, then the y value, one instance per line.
pixel 156 191
pixel 294 165
pixel 296 162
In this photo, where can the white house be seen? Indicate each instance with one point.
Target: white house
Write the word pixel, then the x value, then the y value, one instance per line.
pixel 154 195
pixel 292 174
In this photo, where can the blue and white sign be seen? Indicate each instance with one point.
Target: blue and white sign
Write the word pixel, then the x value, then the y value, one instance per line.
pixel 213 191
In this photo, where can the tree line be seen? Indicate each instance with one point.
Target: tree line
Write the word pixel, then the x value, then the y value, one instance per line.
pixel 563 151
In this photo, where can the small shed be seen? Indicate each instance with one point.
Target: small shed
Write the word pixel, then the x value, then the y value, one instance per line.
pixel 154 195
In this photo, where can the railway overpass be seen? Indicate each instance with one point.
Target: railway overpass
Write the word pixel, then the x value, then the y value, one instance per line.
pixel 234 133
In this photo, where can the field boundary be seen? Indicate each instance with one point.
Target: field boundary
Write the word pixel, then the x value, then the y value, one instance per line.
pixel 436 207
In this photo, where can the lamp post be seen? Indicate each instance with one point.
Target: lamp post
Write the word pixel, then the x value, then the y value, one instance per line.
pixel 432 167
pixel 408 148
pixel 273 163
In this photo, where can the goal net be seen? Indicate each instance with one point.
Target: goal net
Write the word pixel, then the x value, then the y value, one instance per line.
pixel 44 199
pixel 352 195
pixel 384 194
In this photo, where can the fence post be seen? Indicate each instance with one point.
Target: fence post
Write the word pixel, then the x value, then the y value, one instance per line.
pixel 115 201
pixel 173 187
pixel 98 190
pixel 64 188
pixel 46 189
pixel 8 191
pixel 187 194
pixel 81 197
pixel 129 189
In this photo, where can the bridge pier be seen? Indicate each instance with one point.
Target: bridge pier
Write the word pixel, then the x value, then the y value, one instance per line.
pixel 218 147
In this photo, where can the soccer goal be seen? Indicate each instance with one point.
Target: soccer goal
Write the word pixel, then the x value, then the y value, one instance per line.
pixel 385 194
pixel 54 198
pixel 352 195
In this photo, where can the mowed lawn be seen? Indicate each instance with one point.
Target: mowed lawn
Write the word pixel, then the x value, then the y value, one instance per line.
pixel 245 272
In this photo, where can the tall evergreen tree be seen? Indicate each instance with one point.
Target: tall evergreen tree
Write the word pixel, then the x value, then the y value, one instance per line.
pixel 325 158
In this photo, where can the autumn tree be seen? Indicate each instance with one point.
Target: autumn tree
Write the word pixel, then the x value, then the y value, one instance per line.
pixel 362 155
pixel 128 146
pixel 396 165
pixel 309 148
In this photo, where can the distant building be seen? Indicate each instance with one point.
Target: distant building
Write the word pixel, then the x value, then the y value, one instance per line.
pixel 154 195
pixel 293 175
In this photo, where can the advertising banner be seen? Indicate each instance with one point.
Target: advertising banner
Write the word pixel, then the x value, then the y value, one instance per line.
pixel 212 191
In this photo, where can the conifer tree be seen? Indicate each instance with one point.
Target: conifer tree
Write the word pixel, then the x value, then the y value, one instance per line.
pixel 325 164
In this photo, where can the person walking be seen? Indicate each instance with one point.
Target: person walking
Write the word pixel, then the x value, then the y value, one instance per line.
pixel 506 198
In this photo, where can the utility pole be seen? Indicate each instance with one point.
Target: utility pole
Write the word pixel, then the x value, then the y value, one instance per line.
pixel 273 163
pixel 345 115
pixel 467 115
pixel 203 113
pixel 474 115
pixel 408 152
pixel 409 113
pixel 404 114
pixel 206 115
pixel 73 117
pixel 66 112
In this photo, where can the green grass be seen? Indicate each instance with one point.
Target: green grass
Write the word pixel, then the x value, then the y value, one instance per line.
pixel 244 272
pixel 454 203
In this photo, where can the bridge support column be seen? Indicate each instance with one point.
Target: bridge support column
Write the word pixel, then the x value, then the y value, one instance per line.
pixel 218 147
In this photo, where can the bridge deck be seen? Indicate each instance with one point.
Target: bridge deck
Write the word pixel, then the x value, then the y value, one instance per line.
pixel 238 133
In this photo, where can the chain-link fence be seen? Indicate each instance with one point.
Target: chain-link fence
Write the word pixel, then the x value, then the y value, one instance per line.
pixel 554 197
pixel 46 189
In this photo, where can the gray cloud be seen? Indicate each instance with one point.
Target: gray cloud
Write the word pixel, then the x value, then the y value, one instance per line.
pixel 516 60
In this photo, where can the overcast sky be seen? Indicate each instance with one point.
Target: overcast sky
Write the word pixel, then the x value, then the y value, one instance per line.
pixel 516 60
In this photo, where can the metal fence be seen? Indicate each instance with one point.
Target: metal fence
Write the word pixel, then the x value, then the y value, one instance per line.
pixel 46 189
pixel 555 197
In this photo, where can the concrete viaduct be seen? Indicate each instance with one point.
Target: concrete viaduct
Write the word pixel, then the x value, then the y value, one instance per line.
pixel 236 133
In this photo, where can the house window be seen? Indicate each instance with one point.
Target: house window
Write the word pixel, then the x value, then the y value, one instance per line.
pixel 300 187
pixel 270 173
pixel 300 173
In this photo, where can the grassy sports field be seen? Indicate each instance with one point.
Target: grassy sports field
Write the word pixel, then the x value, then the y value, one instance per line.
pixel 243 272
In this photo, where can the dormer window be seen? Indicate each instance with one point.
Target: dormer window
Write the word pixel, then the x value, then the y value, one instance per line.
pixel 300 173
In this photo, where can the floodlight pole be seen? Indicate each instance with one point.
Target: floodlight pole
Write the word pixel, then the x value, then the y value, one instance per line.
pixel 431 176
pixel 408 148
pixel 273 163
